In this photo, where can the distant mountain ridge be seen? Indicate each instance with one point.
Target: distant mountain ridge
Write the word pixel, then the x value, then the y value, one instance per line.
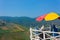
pixel 27 21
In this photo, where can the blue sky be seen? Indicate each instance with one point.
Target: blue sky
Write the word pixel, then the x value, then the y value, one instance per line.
pixel 29 8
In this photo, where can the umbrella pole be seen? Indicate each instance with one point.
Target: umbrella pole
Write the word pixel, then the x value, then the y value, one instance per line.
pixel 52 28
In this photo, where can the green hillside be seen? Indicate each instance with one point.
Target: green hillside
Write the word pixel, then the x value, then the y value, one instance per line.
pixel 12 31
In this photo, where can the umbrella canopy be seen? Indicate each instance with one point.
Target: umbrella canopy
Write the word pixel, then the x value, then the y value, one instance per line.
pixel 48 17
pixel 51 16
pixel 40 18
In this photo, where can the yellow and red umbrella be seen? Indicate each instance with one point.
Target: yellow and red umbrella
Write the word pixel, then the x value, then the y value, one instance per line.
pixel 48 17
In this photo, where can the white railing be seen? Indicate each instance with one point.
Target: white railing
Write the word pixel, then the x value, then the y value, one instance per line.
pixel 35 36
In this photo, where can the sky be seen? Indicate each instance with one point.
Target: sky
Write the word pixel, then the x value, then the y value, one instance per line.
pixel 29 8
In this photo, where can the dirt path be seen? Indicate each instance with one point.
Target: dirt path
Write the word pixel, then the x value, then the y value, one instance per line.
pixel 19 28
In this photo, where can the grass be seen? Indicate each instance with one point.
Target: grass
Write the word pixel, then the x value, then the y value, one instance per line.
pixel 14 36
